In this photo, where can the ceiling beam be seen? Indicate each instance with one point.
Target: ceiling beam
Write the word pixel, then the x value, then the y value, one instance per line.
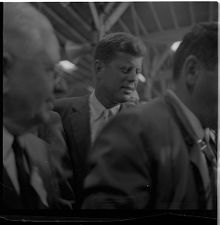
pixel 167 36
pixel 173 14
pixel 75 15
pixel 95 15
pixel 45 9
pixel 85 65
pixel 191 13
pixel 109 7
pixel 117 13
pixel 160 62
pixel 60 37
pixel 124 26
pixel 88 73
pixel 141 25
pixel 155 16
pixel 135 20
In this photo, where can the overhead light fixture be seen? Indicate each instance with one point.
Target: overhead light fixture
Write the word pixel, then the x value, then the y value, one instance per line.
pixel 67 66
pixel 141 78
pixel 175 45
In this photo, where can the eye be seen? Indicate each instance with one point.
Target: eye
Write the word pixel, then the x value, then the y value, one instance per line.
pixel 138 71
pixel 125 70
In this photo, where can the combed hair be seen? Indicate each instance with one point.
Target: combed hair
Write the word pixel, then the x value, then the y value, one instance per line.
pixel 201 42
pixel 119 42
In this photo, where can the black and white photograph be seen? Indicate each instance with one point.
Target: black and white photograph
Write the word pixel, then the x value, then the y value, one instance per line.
pixel 110 107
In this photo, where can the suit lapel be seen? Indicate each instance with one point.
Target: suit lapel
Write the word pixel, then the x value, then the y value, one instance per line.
pixel 191 140
pixel 80 122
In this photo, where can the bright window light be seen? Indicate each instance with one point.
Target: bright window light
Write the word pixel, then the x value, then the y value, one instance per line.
pixel 141 78
pixel 175 45
pixel 68 66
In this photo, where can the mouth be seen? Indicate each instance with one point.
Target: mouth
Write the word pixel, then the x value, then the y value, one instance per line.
pixel 127 89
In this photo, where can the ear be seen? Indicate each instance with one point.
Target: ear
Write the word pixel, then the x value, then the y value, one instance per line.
pixel 99 67
pixel 7 62
pixel 191 69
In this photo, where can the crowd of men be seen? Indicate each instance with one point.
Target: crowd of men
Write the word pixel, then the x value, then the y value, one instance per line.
pixel 102 151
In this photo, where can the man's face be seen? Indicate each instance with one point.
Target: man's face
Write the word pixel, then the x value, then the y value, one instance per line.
pixel 30 82
pixel 119 78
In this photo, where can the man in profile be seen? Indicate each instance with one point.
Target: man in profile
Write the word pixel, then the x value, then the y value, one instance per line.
pixel 30 53
pixel 161 155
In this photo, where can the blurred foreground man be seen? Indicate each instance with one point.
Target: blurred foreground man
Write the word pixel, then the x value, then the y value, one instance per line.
pixel 162 155
pixel 30 52
pixel 117 62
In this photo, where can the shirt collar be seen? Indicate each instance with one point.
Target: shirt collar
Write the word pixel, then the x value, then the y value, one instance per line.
pixel 97 108
pixel 196 125
pixel 7 142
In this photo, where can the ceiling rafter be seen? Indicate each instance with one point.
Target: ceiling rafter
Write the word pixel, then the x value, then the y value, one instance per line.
pixel 161 61
pixel 135 22
pixel 191 13
pixel 173 14
pixel 124 26
pixel 86 73
pixel 84 65
pixel 117 13
pixel 156 16
pixel 52 14
pixel 88 59
pixel 95 15
pixel 109 7
pixel 61 37
pixel 141 25
pixel 167 36
pixel 76 16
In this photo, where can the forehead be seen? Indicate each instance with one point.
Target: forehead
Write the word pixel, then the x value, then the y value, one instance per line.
pixel 50 47
pixel 123 58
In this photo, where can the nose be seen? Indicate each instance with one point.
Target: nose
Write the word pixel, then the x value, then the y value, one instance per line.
pixel 133 76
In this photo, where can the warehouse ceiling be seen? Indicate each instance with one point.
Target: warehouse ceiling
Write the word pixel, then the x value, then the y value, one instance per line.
pixel 79 26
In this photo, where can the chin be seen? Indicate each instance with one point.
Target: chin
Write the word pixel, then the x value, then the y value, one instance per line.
pixel 43 117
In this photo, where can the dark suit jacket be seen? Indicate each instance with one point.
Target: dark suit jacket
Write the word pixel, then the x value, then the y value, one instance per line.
pixel 147 158
pixel 41 156
pixel 75 114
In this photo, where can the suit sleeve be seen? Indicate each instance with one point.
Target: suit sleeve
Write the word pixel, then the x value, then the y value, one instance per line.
pixel 119 176
pixel 53 134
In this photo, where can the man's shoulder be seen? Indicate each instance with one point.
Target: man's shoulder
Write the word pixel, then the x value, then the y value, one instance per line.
pixel 69 101
pixel 154 111
pixel 150 107
pixel 66 104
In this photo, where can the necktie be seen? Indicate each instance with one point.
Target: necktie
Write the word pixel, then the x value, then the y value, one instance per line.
pixel 29 196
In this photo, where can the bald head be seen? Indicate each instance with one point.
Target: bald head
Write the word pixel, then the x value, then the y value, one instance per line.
pixel 30 54
pixel 24 28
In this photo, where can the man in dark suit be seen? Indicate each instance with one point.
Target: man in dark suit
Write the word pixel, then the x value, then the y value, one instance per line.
pixel 117 62
pixel 157 156
pixel 30 168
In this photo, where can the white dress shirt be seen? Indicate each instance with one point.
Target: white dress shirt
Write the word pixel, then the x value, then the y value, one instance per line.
pixel 99 115
pixel 10 166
